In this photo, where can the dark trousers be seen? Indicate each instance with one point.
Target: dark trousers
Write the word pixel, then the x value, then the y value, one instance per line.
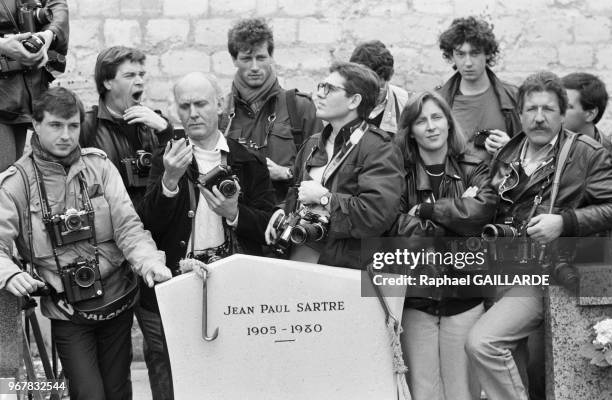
pixel 96 358
pixel 155 353
pixel 12 142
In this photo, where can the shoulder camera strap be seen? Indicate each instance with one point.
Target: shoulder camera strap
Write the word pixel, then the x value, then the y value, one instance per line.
pixel 24 176
pixel 563 154
pixel 346 149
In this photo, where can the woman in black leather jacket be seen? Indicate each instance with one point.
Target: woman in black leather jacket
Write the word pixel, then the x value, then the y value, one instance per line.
pixel 448 193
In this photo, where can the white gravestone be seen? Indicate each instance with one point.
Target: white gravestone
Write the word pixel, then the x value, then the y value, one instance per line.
pixel 287 330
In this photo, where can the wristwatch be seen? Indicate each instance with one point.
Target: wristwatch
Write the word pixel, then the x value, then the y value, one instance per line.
pixel 324 201
pixel 289 174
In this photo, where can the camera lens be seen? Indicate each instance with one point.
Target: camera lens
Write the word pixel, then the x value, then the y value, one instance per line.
pixel 73 222
pixel 33 44
pixel 491 232
pixel 473 243
pixel 566 275
pixel 144 160
pixel 228 188
pixel 299 234
pixel 43 16
pixel 85 276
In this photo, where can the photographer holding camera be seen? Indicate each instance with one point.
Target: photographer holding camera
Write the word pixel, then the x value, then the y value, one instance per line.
pixel 71 218
pixel 350 174
pixel 448 193
pixel 208 198
pixel 33 42
pixel 532 201
pixel 126 130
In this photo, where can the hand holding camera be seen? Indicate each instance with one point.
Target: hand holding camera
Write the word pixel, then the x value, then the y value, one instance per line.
pixel 220 188
pixel 144 115
pixel 493 140
pixel 544 228
pixel 177 157
pixel 24 284
pixel 13 48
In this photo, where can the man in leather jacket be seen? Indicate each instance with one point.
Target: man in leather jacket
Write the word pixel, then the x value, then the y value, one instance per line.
pixel 522 173
pixel 121 125
pixel 25 75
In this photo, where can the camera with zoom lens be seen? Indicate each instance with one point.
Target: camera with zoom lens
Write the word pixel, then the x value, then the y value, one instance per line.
pixel 299 227
pixel 507 244
pixel 82 281
pixel 31 17
pixel 70 227
pixel 222 177
pixel 137 168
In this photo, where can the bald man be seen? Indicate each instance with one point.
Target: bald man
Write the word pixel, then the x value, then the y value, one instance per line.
pixel 224 222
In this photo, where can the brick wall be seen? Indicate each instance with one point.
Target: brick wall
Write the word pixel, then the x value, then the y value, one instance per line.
pixel 185 35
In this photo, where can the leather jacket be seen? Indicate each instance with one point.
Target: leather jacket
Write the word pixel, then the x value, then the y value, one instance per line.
pixel 101 130
pixel 585 189
pixel 19 88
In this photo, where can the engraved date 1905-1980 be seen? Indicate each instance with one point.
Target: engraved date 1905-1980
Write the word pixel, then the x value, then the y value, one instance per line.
pixel 291 329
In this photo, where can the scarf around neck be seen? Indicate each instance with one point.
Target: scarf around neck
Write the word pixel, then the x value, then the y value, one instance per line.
pixel 44 155
pixel 255 97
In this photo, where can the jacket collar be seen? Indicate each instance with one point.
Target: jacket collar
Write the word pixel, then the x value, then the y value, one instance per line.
pixel 49 168
pixel 451 170
pixel 451 88
pixel 104 113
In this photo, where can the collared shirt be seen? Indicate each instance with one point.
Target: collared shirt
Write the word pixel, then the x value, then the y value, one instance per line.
pixel 210 225
pixel 539 158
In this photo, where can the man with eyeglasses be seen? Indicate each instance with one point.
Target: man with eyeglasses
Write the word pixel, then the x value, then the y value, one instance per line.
pixel 351 173
pixel 485 106
pixel 192 215
pixel 258 112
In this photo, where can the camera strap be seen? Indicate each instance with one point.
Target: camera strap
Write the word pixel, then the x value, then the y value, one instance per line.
pixel 561 161
pixel 344 152
pixel 26 181
pixel 48 219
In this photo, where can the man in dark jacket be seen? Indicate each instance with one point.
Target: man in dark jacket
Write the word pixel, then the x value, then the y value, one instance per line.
pixel 587 101
pixel 25 75
pixel 187 217
pixel 480 101
pixel 258 112
pixel 351 172
pixel 126 130
pixel 522 173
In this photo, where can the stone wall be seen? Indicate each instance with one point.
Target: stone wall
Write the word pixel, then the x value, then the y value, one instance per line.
pixel 186 35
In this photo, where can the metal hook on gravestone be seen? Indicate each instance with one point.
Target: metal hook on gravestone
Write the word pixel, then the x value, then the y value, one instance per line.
pixel 200 268
pixel 204 272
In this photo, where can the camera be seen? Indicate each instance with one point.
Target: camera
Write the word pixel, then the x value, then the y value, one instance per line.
pixel 284 225
pixel 492 232
pixel 33 44
pixel 480 137
pixel 563 272
pixel 507 244
pixel 82 281
pixel 222 177
pixel 70 227
pixel 311 228
pixel 31 15
pixel 299 227
pixel 137 168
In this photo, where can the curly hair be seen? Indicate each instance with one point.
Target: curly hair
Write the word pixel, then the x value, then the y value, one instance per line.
pixel 543 81
pixel 457 142
pixel 476 32
pixel 248 34
pixel 374 55
pixel 593 93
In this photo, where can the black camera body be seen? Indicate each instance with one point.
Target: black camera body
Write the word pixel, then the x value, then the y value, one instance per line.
pixel 70 227
pixel 137 168
pixel 82 281
pixel 31 16
pixel 506 244
pixel 480 137
pixel 299 227
pixel 222 177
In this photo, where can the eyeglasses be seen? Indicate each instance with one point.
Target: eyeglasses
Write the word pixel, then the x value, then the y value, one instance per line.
pixel 327 87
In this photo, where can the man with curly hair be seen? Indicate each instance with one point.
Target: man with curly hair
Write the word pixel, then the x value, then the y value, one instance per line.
pixel 259 113
pixel 391 99
pixel 485 107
